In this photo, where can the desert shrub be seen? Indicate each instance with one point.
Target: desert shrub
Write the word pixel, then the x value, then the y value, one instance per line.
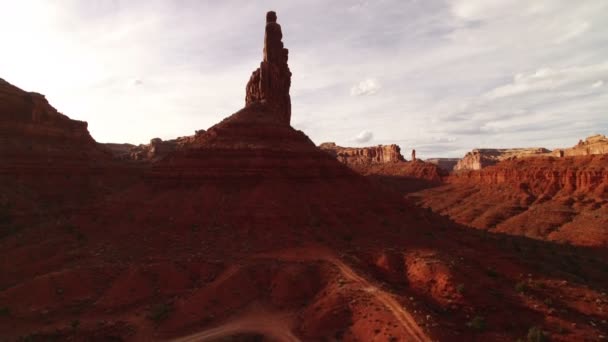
pixel 521 287
pixel 5 311
pixel 478 323
pixel 460 288
pixel 160 312
pixel 490 272
pixel 536 334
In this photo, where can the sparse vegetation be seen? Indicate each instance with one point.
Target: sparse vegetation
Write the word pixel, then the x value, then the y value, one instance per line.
pixel 5 311
pixel 490 272
pixel 521 287
pixel 460 288
pixel 160 312
pixel 75 324
pixel 536 334
pixel 478 323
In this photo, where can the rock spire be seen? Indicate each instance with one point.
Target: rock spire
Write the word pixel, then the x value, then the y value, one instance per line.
pixel 269 84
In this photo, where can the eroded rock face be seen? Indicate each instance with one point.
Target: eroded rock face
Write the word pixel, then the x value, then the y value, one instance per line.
pixel 29 125
pixel 353 156
pixel 270 83
pixel 595 144
pixel 483 157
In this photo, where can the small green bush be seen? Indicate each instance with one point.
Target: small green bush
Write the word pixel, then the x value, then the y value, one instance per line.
pixel 160 312
pixel 521 287
pixel 478 323
pixel 5 311
pixel 536 334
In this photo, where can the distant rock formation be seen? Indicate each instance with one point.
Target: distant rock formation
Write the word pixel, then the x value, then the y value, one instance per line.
pixel 270 83
pixel 30 127
pixel 155 150
pixel 595 144
pixel 446 164
pixel 364 155
pixel 413 155
pixel 483 157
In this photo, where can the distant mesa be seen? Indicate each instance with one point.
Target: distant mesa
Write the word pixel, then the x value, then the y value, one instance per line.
pixel 364 155
pixel 480 158
pixel 595 144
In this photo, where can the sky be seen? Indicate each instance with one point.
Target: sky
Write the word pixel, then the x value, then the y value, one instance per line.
pixel 442 77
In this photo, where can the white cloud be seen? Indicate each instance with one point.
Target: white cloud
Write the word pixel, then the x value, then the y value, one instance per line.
pixel 574 31
pixel 597 84
pixel 364 136
pixel 547 79
pixel 367 87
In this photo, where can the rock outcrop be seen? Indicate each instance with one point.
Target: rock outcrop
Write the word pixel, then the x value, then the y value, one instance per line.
pixel 595 144
pixel 483 157
pixel 446 164
pixel 362 156
pixel 30 126
pixel 269 84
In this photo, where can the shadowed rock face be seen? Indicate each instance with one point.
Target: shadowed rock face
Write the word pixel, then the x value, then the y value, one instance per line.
pixel 29 125
pixel 270 83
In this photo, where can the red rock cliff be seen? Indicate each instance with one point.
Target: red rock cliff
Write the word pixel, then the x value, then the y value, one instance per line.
pixel 546 175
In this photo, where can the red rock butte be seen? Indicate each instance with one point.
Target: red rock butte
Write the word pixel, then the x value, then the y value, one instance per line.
pixel 269 84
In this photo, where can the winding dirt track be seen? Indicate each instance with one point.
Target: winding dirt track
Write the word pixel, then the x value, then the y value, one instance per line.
pixel 320 254
pixel 278 326
pixel 273 325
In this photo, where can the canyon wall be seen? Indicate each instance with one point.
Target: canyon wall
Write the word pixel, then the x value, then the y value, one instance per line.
pixel 549 198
